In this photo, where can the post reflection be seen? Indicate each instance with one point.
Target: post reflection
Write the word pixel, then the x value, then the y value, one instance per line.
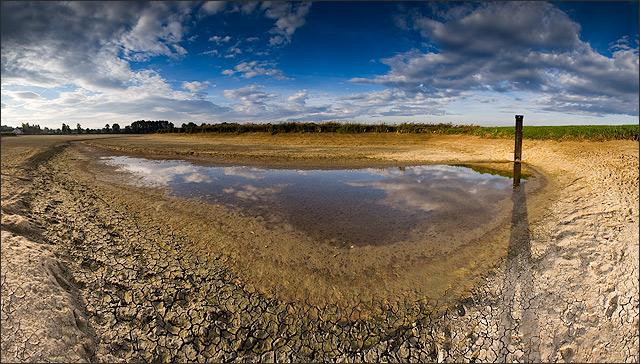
pixel 517 169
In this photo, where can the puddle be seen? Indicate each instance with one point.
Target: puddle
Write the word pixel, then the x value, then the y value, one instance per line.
pixel 346 207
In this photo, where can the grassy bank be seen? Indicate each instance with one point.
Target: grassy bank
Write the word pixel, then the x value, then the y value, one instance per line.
pixel 578 132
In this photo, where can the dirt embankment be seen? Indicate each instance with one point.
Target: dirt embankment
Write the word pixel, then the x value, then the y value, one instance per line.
pixel 43 313
pixel 566 289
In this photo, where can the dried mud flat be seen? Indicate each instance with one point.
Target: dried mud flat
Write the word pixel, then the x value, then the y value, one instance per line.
pixel 93 270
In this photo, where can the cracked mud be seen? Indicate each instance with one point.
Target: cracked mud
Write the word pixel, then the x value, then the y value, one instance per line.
pixel 90 273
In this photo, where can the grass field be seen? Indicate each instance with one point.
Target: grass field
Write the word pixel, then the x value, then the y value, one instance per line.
pixel 577 132
pixel 574 132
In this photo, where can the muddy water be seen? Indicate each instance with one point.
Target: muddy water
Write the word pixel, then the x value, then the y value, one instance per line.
pixel 346 207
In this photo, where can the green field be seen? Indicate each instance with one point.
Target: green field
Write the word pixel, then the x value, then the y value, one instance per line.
pixel 574 132
pixel 578 132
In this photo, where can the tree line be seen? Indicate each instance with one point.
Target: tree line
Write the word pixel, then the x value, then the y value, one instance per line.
pixel 578 132
pixel 163 126
pixel 137 127
pixel 326 127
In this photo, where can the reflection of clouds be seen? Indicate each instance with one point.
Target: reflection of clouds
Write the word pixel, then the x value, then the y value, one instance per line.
pixel 246 172
pixel 450 190
pixel 197 178
pixel 254 193
pixel 386 172
pixel 443 188
pixel 159 173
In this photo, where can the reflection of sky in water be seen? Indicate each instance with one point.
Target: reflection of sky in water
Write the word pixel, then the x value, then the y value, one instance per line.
pixel 361 206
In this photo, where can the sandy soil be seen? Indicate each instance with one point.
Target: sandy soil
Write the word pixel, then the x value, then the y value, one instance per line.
pixel 132 274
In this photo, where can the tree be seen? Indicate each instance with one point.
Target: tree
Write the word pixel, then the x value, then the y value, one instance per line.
pixel 189 128
pixel 115 128
pixel 107 129
pixel 148 126
pixel 31 129
pixel 78 129
pixel 66 129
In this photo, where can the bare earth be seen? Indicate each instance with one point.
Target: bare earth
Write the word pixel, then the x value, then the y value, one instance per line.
pixel 95 269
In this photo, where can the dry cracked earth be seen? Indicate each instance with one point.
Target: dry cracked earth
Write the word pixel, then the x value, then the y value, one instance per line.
pixel 84 279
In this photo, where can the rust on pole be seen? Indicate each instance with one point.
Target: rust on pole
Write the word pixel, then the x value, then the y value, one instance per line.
pixel 517 154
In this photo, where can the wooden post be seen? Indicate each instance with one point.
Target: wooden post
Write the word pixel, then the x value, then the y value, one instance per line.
pixel 517 154
pixel 518 150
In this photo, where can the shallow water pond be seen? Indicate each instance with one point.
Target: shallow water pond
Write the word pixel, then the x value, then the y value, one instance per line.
pixel 346 207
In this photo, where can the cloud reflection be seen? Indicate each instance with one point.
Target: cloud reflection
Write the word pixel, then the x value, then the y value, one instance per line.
pixel 160 173
pixel 254 193
pixel 246 172
pixel 362 206
pixel 429 188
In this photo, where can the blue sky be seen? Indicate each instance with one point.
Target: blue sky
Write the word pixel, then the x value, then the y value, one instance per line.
pixel 461 62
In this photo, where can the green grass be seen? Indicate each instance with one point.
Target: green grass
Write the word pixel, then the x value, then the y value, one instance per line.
pixel 574 132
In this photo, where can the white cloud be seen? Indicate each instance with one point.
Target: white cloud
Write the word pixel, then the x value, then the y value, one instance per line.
pixel 158 31
pixel 52 52
pixel 480 52
pixel 244 7
pixel 234 51
pixel 255 68
pixel 26 95
pixel 254 101
pixel 492 48
pixel 220 39
pixel 288 16
pixel 212 7
pixel 195 86
pixel 299 98
pixel 211 52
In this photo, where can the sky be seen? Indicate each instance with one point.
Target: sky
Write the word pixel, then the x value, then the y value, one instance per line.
pixel 558 63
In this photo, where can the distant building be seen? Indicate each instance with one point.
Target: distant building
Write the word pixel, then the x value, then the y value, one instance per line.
pixel 17 131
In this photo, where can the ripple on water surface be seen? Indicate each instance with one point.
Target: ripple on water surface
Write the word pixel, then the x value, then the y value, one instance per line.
pixel 369 206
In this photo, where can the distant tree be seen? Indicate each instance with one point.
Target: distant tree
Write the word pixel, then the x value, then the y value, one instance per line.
pixel 147 126
pixel 66 129
pixel 115 128
pixel 78 129
pixel 31 129
pixel 6 129
pixel 189 128
pixel 107 129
